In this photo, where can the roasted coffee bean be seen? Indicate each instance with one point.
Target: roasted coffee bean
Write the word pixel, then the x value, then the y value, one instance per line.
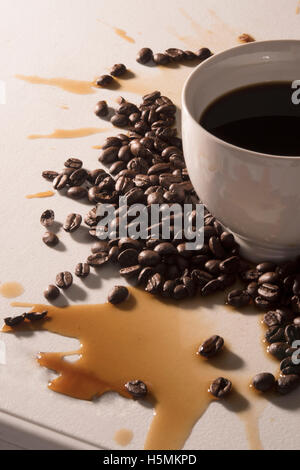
pixel 118 294
pixel 274 334
pixel 149 258
pixel 292 333
pixel 118 70
pixel 137 389
pixel 266 267
pixel 165 249
pixel 238 298
pixel 112 142
pixel 154 284
pixel 77 192
pixel 100 245
pixel 47 218
pixel 268 291
pixel 151 97
pixel 227 280
pixel 64 280
pixel 168 288
pixel 60 181
pixel 278 350
pixel 276 317
pixel 98 259
pixel 124 184
pixel 211 346
pixel 189 55
pixel 134 196
pixel 36 316
pixel 72 223
pixel 161 59
pixel 213 266
pixel 113 254
pixel 131 272
pixel 119 120
pixel 287 384
pixel 262 303
pixel 125 243
pixel 101 109
pixel 263 382
pixel 14 321
pixel 50 239
pixel 49 175
pixel 220 387
pixel 104 80
pixel 174 196
pixel 230 265
pixel 174 54
pixel 180 292
pixel 287 367
pixel 144 55
pixel 74 163
pixel 51 293
pixel 128 258
pixel 116 167
pixel 269 278
pixel 82 270
pixel 227 240
pixel 203 53
pixel 216 247
pixel 295 303
pixel 250 275
pixel 251 289
pixel 201 277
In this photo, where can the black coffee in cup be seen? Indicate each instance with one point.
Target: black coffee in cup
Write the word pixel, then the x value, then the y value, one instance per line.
pixel 264 117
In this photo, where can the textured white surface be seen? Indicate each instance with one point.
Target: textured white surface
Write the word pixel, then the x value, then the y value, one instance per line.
pixel 75 39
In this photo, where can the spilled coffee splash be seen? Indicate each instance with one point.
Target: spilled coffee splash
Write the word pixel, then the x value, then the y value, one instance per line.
pixel 148 339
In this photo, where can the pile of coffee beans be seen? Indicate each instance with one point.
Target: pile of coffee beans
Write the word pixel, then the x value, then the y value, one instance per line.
pixel 171 55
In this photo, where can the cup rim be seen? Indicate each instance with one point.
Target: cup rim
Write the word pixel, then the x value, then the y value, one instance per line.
pixel 187 83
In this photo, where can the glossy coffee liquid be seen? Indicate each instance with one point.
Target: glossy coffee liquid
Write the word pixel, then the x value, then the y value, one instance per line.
pixel 261 117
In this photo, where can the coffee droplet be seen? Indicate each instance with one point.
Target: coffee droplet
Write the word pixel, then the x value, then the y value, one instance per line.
pixel 123 437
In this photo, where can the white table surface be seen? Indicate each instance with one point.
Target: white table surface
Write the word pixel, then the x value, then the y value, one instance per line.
pixel 76 39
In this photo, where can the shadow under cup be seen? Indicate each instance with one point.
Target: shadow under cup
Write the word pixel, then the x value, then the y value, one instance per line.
pixel 254 195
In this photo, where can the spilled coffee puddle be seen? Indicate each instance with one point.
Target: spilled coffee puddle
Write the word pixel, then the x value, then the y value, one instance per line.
pixel 148 339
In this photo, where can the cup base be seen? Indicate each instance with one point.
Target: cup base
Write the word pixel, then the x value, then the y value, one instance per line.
pixel 253 251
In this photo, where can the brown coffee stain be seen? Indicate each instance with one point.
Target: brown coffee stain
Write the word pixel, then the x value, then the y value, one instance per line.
pixel 123 437
pixel 79 87
pixel 64 106
pixel 218 37
pixel 40 195
pixel 155 341
pixel 122 34
pixel 245 38
pixel 298 8
pixel 10 290
pixel 69 133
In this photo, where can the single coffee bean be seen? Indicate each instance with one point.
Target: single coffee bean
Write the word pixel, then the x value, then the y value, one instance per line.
pixel 295 303
pixel 72 223
pixel 50 239
pixel 278 350
pixel 213 266
pixel 227 280
pixel 211 346
pixel 47 218
pixel 154 284
pixel 263 381
pixel 238 298
pixel 98 259
pixel 136 388
pixel 118 70
pixel 211 287
pixel 49 175
pixel 174 54
pixel 189 55
pixel 203 53
pixel 269 278
pixel 262 303
pixel 251 289
pixel 101 109
pixel 131 272
pixel 287 384
pixel 216 248
pixel 276 317
pixel 14 321
pixel 60 181
pixel 230 265
pixel 104 80
pixel 118 294
pixel 265 267
pixel 128 258
pixel 201 277
pixel 78 177
pixel 180 292
pixel 82 270
pixel 161 59
pixel 275 334
pixel 270 292
pixel 220 387
pixel 149 258
pixel 250 275
pixel 119 120
pixel 113 254
pixel 74 163
pixel 227 240
pixel 64 280
pixel 77 192
pixel 165 249
pixel 51 293
pixel 144 55
pixel 100 245
pixel 36 316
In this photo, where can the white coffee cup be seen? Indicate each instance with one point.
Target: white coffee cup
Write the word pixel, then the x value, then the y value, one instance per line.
pixel 254 195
